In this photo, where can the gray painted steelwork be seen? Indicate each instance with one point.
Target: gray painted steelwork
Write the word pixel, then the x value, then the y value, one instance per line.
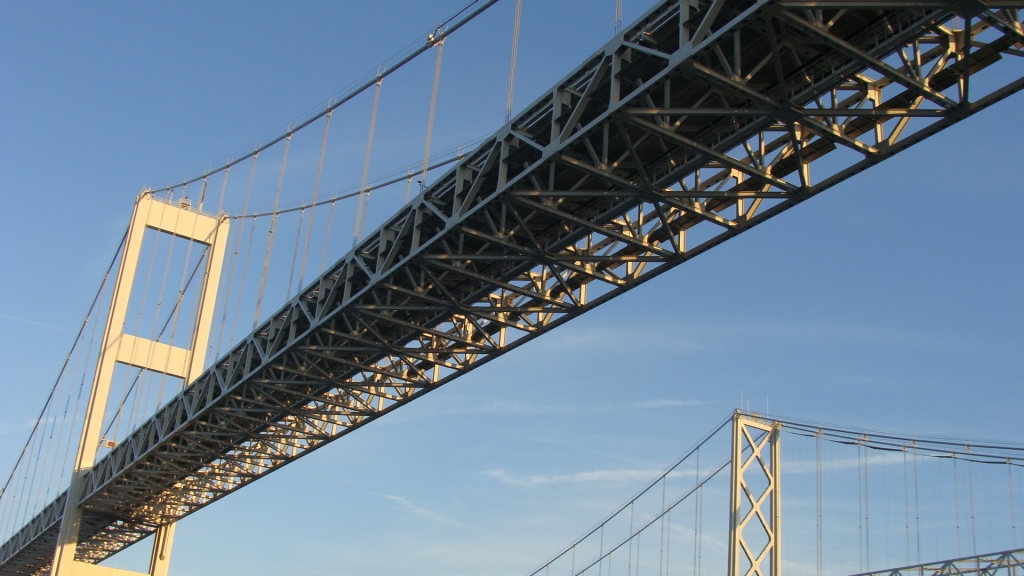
pixel 694 124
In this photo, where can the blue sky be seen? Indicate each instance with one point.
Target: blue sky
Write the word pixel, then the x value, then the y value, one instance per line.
pixel 892 301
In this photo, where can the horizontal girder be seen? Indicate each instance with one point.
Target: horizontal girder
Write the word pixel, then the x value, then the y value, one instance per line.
pixel 695 124
pixel 993 564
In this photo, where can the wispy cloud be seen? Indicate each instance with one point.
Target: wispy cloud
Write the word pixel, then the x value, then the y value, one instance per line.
pixel 808 466
pixel 11 427
pixel 506 407
pixel 416 510
pixel 514 407
pixel 37 323
pixel 611 476
pixel 664 403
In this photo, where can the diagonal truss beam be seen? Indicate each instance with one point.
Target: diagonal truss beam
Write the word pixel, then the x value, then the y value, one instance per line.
pixel 653 151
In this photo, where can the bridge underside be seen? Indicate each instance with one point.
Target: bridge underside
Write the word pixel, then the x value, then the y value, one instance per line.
pixel 981 565
pixel 698 122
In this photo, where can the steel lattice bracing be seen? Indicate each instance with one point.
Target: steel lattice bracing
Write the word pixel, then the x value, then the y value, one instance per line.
pixel 698 122
pixel 1010 563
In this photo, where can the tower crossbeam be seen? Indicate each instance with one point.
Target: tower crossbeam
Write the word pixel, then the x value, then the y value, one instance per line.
pixel 698 122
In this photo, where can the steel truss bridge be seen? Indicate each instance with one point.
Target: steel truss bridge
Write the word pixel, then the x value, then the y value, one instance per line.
pixel 696 123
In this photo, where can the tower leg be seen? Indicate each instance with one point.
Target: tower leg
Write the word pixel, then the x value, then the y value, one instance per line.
pixel 121 348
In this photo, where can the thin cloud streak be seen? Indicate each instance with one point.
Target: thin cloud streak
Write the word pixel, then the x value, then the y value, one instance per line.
pixel 612 476
pixel 807 466
pixel 37 323
pixel 417 511
pixel 665 403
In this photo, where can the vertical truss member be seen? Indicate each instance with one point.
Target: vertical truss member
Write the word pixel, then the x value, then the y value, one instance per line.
pixel 697 123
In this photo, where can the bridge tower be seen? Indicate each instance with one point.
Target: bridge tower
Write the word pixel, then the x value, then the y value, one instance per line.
pixel 755 511
pixel 182 221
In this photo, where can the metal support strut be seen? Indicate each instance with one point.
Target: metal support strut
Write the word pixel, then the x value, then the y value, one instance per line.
pixel 756 493
pixel 121 348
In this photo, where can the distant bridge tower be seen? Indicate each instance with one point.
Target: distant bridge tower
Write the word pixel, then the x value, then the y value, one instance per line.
pixel 181 221
pixel 755 511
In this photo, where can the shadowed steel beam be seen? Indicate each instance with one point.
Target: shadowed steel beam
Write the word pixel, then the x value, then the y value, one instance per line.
pixel 653 151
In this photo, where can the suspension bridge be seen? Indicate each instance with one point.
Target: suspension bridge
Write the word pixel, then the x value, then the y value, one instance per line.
pixel 690 126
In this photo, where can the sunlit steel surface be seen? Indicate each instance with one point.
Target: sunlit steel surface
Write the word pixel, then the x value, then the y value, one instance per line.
pixel 1008 563
pixel 701 120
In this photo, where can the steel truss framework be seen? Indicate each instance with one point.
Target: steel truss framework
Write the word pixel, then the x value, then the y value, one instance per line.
pixel 1009 563
pixel 695 124
pixel 755 509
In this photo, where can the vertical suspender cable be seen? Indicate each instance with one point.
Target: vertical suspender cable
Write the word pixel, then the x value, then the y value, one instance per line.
pixel 202 193
pixel 668 543
pixel 430 117
pixel 867 513
pixel 270 235
pixel 327 237
pixel 85 362
pixel 62 416
pixel 860 505
pixel 956 503
pixel 223 190
pixel 512 65
pixel 629 563
pixel 241 281
pixel 661 541
pixel 234 261
pixel 23 483
pixel 295 255
pixel 176 312
pixel 156 318
pixel 364 194
pixel 44 461
pixel 696 500
pixel 817 493
pixel 618 16
pixel 48 405
pixel 700 528
pixel 211 358
pixel 316 190
pixel 145 290
pixel 156 314
pixel 970 494
pixel 1013 510
pixel 637 571
pixel 29 476
pixel 917 508
pixel 79 363
pixel 906 503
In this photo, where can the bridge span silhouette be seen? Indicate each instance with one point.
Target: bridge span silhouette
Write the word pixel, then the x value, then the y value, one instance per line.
pixel 690 126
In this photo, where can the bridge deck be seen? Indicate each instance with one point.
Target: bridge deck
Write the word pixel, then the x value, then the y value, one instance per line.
pixel 981 565
pixel 695 124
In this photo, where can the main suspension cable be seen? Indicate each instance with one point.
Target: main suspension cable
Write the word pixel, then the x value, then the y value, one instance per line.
pixel 64 366
pixel 446 29
pixel 369 188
